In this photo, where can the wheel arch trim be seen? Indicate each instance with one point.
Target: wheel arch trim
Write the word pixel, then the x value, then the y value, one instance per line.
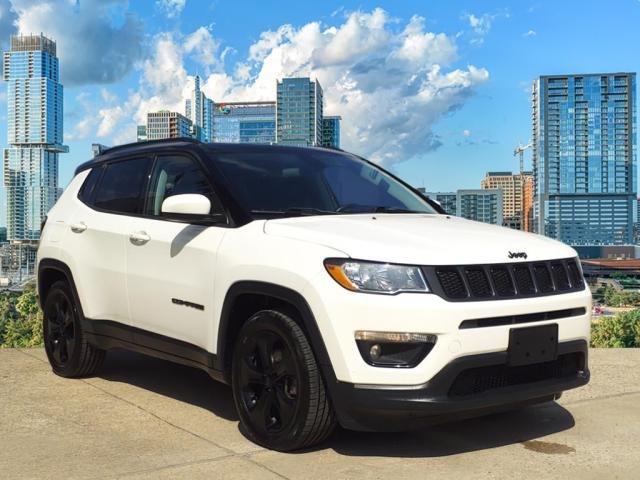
pixel 281 293
pixel 59 266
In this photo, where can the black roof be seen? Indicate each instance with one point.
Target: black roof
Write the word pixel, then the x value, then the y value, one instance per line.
pixel 185 144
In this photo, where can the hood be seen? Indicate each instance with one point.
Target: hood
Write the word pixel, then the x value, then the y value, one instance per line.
pixel 420 239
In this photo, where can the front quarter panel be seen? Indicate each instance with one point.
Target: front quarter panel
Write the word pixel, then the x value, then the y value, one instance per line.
pixel 247 254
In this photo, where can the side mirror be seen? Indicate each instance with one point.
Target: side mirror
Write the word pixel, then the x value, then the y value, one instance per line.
pixel 187 204
pixel 192 208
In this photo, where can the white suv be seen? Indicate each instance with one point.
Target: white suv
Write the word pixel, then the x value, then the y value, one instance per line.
pixel 322 288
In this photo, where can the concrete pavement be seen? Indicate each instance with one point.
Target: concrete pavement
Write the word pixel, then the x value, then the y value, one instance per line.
pixel 145 418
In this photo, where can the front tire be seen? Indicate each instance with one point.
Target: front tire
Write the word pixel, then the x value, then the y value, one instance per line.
pixel 278 388
pixel 68 351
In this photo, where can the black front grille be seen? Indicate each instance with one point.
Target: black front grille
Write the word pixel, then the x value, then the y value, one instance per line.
pixel 478 380
pixel 524 280
pixel 478 282
pixel 502 280
pixel 543 277
pixel 505 281
pixel 451 282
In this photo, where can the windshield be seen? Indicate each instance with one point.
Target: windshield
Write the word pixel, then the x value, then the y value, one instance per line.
pixel 313 182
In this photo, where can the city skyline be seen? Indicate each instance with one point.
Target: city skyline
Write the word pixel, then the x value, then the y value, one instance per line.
pixel 140 54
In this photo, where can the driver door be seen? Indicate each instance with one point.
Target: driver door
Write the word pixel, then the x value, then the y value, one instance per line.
pixel 171 265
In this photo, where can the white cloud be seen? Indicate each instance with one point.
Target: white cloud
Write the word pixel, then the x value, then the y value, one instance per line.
pixel 204 49
pixel 8 18
pixel 390 82
pixel 91 46
pixel 530 33
pixel 81 121
pixel 481 24
pixel 171 8
pixel 466 133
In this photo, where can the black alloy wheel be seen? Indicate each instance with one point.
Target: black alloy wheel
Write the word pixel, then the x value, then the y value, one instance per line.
pixel 60 329
pixel 68 351
pixel 278 388
pixel 269 378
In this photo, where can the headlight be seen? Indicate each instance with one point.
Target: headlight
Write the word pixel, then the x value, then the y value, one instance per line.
pixel 376 277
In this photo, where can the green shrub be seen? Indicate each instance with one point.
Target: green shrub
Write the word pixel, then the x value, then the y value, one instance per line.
pixel 619 331
pixel 20 319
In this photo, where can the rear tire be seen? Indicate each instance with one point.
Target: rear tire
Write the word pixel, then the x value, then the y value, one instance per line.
pixel 278 388
pixel 68 351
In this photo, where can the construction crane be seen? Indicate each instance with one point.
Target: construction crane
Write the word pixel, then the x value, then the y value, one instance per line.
pixel 520 149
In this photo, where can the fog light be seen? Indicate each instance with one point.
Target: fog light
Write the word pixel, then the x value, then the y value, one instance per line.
pixel 375 351
pixel 394 349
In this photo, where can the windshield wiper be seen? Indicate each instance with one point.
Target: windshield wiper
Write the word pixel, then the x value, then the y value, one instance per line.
pixel 355 208
pixel 293 212
pixel 395 210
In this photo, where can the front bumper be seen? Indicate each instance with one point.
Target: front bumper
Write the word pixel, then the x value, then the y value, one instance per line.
pixel 468 386
pixel 340 313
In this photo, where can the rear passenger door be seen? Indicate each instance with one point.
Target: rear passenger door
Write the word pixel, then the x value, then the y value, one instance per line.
pixel 171 264
pixel 98 234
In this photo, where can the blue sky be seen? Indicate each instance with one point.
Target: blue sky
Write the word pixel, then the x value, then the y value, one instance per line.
pixel 438 91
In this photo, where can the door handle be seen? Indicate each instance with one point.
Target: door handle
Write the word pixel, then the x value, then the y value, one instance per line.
pixel 139 238
pixel 78 227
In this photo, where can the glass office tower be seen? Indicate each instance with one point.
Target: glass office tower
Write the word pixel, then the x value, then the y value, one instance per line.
pixel 331 131
pixel 447 200
pixel 34 134
pixel 584 139
pixel 244 122
pixel 299 112
pixel 482 205
pixel 199 109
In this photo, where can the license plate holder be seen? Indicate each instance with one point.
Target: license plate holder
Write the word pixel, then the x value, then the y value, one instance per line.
pixel 532 345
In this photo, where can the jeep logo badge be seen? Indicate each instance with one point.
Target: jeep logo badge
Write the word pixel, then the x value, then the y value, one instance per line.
pixel 518 255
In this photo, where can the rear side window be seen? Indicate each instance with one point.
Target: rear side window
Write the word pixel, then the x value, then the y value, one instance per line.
pixel 88 187
pixel 121 186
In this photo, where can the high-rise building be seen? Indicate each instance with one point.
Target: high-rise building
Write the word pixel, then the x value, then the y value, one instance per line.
pixel 165 124
pixel 447 200
pixel 141 133
pixel 484 205
pixel 199 109
pixel 244 122
pixel 584 157
pixel 34 134
pixel 480 205
pixel 517 200
pixel 331 131
pixel 99 149
pixel 299 112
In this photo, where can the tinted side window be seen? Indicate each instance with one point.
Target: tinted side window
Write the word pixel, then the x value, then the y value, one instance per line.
pixel 88 187
pixel 176 175
pixel 122 185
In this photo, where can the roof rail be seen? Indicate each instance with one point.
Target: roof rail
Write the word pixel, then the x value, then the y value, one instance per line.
pixel 124 146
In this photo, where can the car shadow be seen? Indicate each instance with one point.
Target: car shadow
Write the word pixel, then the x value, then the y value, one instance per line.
pixel 195 387
pixel 183 237
pixel 182 383
pixel 491 431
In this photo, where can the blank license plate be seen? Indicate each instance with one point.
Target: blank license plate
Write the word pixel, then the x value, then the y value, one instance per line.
pixel 533 345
